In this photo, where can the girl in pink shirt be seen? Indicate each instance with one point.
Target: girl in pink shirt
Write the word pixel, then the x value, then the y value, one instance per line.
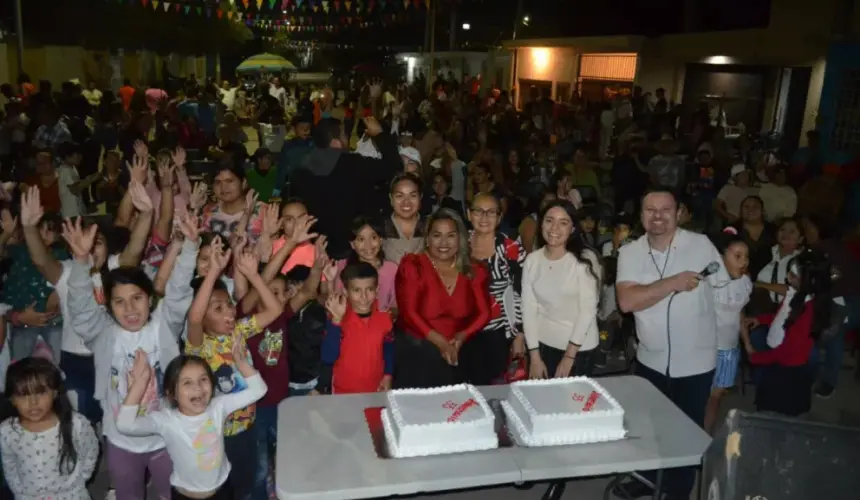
pixel 366 243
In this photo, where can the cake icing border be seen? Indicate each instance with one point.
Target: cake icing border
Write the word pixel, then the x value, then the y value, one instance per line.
pixel 615 411
pixel 472 390
pixel 518 432
pixel 394 451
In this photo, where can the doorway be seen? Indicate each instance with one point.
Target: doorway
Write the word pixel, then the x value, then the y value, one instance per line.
pixel 791 103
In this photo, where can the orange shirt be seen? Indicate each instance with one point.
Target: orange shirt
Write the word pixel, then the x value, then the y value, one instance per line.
pixel 302 255
pixel 125 94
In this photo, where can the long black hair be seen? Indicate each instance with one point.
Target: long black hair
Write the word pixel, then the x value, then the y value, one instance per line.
pixel 812 269
pixel 358 224
pixel 31 376
pixel 575 245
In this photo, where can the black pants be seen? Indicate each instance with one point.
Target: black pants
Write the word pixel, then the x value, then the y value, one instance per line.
pixel 484 357
pixel 690 395
pixel 785 389
pixel 223 493
pixel 241 451
pixel 418 364
pixel 583 365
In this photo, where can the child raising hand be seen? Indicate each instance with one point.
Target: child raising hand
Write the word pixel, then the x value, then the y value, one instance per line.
pixel 192 424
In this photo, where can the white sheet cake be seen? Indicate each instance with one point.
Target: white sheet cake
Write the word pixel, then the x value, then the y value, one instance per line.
pixel 453 419
pixel 562 411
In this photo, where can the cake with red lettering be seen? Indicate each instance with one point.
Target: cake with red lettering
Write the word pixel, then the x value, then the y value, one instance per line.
pixel 562 411
pixel 452 419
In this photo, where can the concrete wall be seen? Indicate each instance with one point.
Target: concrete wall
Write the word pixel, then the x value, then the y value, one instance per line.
pixel 63 63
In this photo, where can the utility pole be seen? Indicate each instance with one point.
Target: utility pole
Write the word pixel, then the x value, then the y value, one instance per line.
pixel 432 76
pixel 514 80
pixel 19 35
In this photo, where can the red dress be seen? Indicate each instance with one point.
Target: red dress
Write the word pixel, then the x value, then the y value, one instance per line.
pixel 424 304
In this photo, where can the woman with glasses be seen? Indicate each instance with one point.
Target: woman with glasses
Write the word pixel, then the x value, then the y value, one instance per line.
pixel 484 356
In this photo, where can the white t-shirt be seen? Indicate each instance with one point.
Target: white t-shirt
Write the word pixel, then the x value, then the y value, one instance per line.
pixel 781 264
pixel 228 98
pixel 71 205
pixel 279 93
pixel 779 201
pixel 729 301
pixel 195 443
pixel 693 332
pixel 126 345
pixel 71 342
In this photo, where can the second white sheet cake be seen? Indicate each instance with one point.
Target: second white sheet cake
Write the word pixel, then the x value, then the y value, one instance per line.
pixel 453 419
pixel 562 411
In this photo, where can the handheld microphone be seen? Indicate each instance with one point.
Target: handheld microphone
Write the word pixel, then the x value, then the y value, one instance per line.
pixel 710 269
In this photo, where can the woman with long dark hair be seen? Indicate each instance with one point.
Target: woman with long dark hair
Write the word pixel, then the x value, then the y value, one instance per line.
pixel 560 293
pixel 404 231
pixel 442 300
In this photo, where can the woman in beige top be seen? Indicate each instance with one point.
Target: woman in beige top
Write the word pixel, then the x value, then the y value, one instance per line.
pixel 404 230
pixel 560 294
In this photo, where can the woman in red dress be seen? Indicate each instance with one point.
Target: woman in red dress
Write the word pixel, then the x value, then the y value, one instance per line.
pixel 442 300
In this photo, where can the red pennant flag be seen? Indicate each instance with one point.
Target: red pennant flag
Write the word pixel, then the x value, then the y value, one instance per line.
pixel 220 13
pixel 144 2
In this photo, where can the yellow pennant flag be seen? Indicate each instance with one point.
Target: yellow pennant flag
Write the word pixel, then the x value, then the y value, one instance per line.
pixel 230 14
pixel 155 4
pixel 166 6
pixel 259 4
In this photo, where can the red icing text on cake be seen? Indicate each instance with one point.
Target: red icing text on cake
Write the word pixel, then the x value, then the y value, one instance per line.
pixel 592 398
pixel 458 409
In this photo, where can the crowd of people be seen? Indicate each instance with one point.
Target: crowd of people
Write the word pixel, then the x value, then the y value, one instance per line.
pixel 160 321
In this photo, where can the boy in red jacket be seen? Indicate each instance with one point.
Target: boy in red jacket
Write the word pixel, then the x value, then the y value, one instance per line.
pixel 358 349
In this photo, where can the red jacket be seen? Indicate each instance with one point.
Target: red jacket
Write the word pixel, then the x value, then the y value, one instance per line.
pixel 795 347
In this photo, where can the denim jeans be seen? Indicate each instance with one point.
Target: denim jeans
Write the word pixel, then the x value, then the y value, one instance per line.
pixel 80 372
pixel 834 349
pixel 241 451
pixel 266 434
pixel 23 340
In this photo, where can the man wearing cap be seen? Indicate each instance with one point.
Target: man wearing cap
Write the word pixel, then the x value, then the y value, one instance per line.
pixel 411 160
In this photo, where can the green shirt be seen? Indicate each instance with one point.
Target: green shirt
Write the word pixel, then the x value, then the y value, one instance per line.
pixel 24 284
pixel 262 182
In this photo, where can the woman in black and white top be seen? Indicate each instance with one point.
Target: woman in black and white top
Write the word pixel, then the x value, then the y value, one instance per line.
pixel 560 293
pixel 484 356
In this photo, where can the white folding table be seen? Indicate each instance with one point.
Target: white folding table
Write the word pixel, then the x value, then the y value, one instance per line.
pixel 325 450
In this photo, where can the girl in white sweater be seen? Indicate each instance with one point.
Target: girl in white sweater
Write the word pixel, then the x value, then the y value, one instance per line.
pixel 561 283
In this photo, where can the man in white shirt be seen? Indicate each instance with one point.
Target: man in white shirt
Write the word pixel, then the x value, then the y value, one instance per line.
pixel 659 280
pixel 278 92
pixel 780 199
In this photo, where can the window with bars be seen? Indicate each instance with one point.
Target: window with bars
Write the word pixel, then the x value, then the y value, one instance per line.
pixel 846 123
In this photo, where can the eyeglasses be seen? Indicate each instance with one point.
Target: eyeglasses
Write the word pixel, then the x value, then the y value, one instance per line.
pixel 480 212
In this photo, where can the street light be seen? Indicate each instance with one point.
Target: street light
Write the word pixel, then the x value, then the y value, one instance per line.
pixel 526 20
pixel 467 26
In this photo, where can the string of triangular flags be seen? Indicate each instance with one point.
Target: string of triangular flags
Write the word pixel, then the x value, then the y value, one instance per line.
pixel 307 44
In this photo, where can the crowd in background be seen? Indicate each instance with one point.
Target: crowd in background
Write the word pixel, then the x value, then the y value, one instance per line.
pixel 382 236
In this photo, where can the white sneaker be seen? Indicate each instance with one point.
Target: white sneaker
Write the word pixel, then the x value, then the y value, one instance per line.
pixel 110 495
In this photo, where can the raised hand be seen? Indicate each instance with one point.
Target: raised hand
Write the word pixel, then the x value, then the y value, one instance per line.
pixel 220 258
pixel 31 207
pixel 141 150
pixel 238 243
pixel 178 156
pixel 302 233
pixel 329 270
pixel 189 227
pixel 336 306
pixel 250 201
pixel 140 369
pixel 199 196
pixel 248 264
pixel 139 169
pixel 376 90
pixel 373 126
pixel 271 219
pixel 240 354
pixel 141 201
pixel 8 223
pixel 80 240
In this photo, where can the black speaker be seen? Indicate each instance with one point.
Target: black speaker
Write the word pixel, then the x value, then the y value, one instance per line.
pixel 765 457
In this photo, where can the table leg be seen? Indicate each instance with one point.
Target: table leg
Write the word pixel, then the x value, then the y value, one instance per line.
pixel 554 491
pixel 607 493
pixel 658 485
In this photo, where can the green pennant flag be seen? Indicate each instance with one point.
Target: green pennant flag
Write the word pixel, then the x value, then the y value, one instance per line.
pixel 272 4
pixel 187 9
pixel 199 11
